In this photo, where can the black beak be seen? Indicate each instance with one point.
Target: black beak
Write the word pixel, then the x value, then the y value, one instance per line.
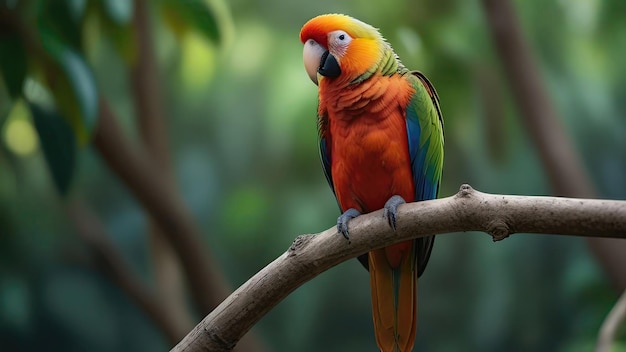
pixel 329 67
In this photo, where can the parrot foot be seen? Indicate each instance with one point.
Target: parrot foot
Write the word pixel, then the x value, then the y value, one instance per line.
pixel 391 210
pixel 342 221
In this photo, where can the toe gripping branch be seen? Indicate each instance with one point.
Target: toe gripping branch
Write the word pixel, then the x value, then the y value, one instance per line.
pixel 390 213
pixel 391 210
pixel 343 219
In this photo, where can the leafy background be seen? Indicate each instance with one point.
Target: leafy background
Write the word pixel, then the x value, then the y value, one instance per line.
pixel 240 116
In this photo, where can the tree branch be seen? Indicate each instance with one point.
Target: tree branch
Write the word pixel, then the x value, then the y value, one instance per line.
pixel 146 92
pixel 565 170
pixel 468 210
pixel 113 264
pixel 614 319
pixel 166 207
pixel 147 100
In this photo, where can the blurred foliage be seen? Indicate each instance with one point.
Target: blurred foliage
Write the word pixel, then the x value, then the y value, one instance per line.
pixel 242 123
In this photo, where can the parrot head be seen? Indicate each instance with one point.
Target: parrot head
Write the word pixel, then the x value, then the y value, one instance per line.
pixel 339 46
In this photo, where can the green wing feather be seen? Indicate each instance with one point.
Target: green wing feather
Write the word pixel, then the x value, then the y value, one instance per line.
pixel 426 137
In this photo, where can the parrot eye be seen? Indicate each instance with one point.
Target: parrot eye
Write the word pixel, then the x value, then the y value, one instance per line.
pixel 338 41
pixel 340 37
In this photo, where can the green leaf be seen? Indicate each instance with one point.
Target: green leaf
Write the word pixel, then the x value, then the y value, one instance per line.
pixel 77 9
pixel 4 114
pixel 6 104
pixel 73 85
pixel 62 19
pixel 121 35
pixel 184 15
pixel 13 63
pixel 119 11
pixel 58 144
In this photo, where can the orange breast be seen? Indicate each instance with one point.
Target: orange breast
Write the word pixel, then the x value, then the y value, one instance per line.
pixel 370 154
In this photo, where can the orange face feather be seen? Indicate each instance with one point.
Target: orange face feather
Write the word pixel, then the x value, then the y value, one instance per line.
pixel 362 52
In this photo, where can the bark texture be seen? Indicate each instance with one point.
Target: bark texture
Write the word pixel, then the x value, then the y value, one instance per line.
pixel 468 210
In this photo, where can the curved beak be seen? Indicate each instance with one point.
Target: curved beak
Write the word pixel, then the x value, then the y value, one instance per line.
pixel 329 67
pixel 318 60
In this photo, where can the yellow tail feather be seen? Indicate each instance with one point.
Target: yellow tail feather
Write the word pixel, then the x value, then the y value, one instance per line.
pixel 394 301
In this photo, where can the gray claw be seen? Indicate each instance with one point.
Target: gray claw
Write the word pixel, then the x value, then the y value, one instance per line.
pixel 391 210
pixel 342 221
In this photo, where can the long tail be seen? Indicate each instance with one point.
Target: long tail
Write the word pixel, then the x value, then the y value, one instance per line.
pixel 393 278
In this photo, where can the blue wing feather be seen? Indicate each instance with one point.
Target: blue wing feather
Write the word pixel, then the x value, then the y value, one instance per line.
pixel 425 176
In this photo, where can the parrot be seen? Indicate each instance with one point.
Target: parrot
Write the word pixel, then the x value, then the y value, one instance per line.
pixel 381 144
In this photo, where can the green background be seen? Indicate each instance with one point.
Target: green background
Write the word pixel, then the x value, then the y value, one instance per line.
pixel 242 126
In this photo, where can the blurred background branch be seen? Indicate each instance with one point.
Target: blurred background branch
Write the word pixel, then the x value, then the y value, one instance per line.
pixel 565 172
pixel 144 180
pixel 614 320
pixel 148 100
pixel 113 265
pixel 149 176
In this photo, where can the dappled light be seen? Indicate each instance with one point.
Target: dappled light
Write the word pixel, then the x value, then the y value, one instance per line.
pixel 19 135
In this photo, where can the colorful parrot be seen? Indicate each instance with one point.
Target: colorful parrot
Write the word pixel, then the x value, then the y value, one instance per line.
pixel 381 143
